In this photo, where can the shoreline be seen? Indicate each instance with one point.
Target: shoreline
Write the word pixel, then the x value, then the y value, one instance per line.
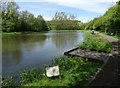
pixel 97 78
pixel 99 69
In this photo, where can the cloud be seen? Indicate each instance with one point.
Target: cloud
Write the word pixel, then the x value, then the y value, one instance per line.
pixel 48 18
pixel 63 1
pixel 84 19
pixel 87 9
pixel 99 6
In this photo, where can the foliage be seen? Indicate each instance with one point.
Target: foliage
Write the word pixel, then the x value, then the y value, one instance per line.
pixel 117 36
pixel 74 71
pixel 9 16
pixel 9 82
pixel 14 20
pixel 28 76
pixel 109 22
pixel 96 42
pixel 63 21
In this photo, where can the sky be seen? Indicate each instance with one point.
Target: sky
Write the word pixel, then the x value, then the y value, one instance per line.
pixel 84 10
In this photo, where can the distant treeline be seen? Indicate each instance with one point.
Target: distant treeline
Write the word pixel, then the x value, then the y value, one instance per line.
pixel 14 20
pixel 64 21
pixel 109 22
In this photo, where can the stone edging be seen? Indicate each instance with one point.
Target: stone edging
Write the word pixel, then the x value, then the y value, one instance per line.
pixel 88 54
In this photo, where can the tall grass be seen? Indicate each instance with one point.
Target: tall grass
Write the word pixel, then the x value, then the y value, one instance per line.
pixel 74 71
pixel 28 76
pixel 96 42
pixel 9 82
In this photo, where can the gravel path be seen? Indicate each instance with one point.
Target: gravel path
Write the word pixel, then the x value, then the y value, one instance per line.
pixel 109 38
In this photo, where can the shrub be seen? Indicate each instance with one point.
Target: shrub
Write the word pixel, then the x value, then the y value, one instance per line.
pixel 28 76
pixel 96 42
pixel 9 82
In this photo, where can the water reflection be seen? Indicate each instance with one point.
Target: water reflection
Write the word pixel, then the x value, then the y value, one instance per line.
pixel 14 45
pixel 23 51
pixel 64 40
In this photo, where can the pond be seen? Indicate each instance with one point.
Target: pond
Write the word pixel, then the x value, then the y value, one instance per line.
pixel 29 50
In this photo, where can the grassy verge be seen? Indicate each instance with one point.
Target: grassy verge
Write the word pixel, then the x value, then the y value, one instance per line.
pixel 37 32
pixel 115 36
pixel 64 30
pixel 11 33
pixel 74 71
pixel 95 42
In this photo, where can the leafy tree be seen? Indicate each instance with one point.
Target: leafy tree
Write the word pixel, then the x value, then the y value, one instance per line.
pixel 39 24
pixel 14 20
pixel 25 21
pixel 109 22
pixel 63 21
pixel 9 16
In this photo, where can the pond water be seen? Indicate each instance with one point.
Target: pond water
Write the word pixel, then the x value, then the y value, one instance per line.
pixel 29 50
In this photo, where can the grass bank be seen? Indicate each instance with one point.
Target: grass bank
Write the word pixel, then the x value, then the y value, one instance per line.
pixel 95 42
pixel 11 33
pixel 74 71
pixel 25 32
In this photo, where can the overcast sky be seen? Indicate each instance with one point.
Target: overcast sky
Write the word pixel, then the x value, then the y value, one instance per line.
pixel 84 10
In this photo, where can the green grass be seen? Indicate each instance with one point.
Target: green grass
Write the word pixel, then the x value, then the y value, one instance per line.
pixel 11 33
pixel 74 71
pixel 116 36
pixel 64 30
pixel 95 42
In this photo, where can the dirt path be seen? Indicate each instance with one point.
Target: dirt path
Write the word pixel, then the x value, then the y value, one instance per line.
pixel 109 38
pixel 110 73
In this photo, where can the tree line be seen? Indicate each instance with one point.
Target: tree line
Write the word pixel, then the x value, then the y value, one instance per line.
pixel 14 20
pixel 109 22
pixel 64 21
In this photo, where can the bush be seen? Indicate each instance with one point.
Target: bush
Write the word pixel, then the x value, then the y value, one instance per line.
pixel 9 82
pixel 96 42
pixel 28 76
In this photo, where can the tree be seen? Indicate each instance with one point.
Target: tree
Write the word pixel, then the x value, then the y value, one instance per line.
pixel 39 24
pixel 63 21
pixel 9 16
pixel 14 20
pixel 109 22
pixel 25 21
